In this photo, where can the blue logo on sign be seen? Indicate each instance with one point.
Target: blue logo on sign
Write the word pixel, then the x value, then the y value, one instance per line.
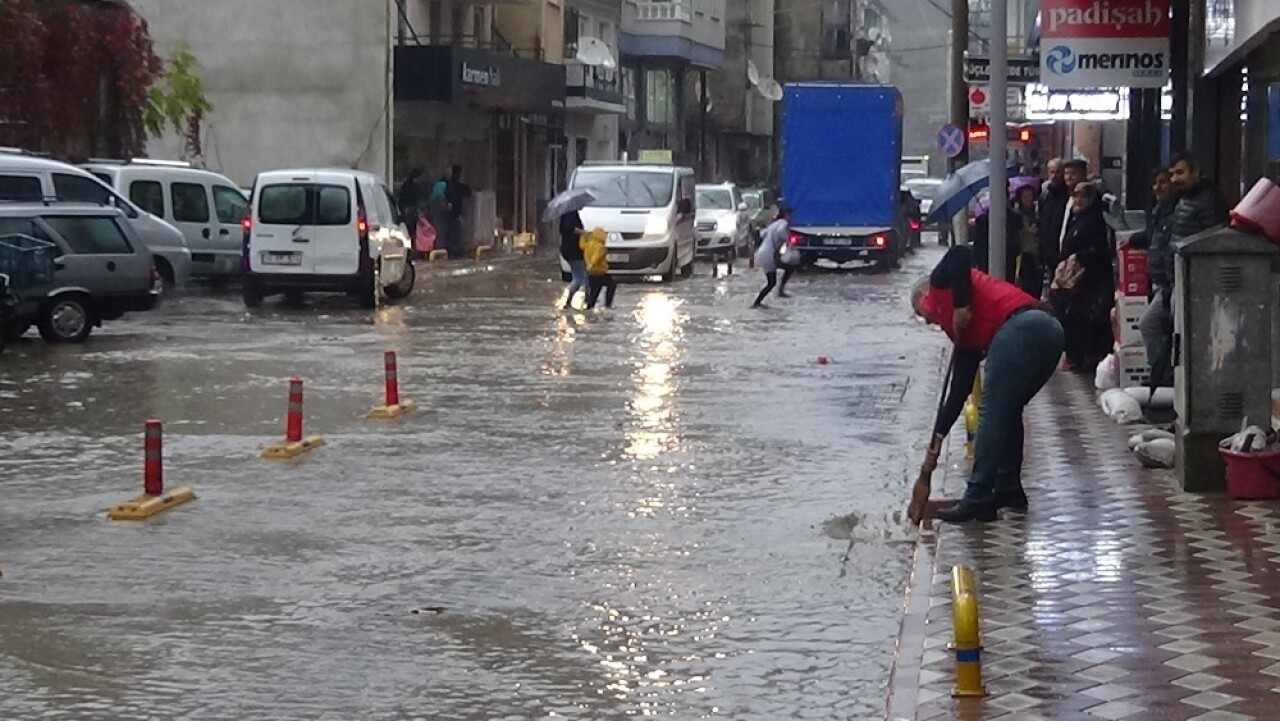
pixel 1060 60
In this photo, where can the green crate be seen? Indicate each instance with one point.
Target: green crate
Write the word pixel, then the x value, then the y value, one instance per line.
pixel 27 261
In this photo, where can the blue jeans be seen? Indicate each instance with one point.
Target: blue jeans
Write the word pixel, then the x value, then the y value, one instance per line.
pixel 1022 358
pixel 578 279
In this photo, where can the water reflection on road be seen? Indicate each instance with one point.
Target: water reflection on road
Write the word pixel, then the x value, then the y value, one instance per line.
pixel 621 514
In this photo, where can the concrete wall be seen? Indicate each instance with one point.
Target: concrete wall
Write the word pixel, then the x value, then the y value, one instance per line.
pixel 293 82
pixel 535 30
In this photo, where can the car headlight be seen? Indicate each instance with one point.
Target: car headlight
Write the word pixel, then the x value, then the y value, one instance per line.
pixel 656 228
pixel 727 224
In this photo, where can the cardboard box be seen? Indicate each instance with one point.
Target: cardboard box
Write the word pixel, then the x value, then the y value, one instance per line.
pixel 1133 277
pixel 1125 317
pixel 1132 362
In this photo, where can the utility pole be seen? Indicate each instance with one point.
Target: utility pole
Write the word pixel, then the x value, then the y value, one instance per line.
pixel 999 135
pixel 959 88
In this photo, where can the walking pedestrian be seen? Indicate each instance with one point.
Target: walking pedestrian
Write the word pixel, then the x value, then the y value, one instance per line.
pixel 440 211
pixel 1024 237
pixel 458 194
pixel 1022 343
pixel 571 231
pixel 596 255
pixel 410 198
pixel 772 242
pixel 1083 290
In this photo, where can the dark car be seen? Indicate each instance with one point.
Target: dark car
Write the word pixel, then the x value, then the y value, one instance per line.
pixel 102 270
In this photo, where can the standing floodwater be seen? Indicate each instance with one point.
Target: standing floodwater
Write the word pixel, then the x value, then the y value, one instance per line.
pixel 644 511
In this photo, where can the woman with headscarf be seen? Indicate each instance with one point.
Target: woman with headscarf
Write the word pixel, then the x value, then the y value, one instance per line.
pixel 1083 289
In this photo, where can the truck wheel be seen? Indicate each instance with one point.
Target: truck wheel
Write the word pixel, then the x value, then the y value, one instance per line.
pixel 66 319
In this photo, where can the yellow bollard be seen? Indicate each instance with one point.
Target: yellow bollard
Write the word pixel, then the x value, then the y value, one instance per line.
pixel 971 416
pixel 968 642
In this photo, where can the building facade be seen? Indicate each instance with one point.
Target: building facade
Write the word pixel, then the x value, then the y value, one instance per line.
pixel 594 102
pixel 324 100
pixel 739 114
pixel 665 44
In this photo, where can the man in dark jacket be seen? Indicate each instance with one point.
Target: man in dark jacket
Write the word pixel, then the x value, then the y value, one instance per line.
pixel 1053 209
pixel 1157 323
pixel 1200 203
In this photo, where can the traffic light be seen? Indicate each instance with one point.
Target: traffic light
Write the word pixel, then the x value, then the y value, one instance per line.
pixel 1024 135
pixel 979 132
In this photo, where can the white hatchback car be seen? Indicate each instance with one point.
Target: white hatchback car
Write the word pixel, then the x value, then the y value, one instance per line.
pixel 334 231
pixel 723 226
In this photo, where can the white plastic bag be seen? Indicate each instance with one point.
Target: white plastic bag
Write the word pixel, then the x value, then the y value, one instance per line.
pixel 1148 436
pixel 1157 453
pixel 790 256
pixel 1250 439
pixel 1121 406
pixel 1162 398
pixel 1108 374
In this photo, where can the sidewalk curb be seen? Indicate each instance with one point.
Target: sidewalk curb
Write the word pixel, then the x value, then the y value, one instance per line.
pixel 471 266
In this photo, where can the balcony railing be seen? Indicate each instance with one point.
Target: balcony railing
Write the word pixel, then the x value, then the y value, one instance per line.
pixel 665 10
pixel 578 75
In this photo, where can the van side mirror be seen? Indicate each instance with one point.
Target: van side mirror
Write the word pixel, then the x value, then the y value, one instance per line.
pixel 684 206
pixel 742 207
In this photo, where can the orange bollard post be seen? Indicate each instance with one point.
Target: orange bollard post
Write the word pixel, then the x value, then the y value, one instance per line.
pixel 153 499
pixel 293 444
pixel 394 406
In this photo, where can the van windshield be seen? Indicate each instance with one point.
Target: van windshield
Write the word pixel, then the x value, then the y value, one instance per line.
pixel 627 188
pixel 304 204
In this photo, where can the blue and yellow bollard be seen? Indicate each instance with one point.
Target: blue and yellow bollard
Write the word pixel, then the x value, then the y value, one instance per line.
pixel 967 645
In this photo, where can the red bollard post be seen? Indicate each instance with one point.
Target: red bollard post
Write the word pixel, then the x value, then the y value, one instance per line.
pixel 393 382
pixel 153 460
pixel 293 422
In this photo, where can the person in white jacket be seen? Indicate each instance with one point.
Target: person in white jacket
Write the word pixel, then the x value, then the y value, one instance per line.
pixel 772 243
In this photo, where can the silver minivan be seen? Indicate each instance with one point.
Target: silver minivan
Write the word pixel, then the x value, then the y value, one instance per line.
pixel 205 206
pixel 25 177
pixel 648 213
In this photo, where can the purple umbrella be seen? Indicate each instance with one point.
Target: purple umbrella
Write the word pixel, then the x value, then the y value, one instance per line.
pixel 1022 181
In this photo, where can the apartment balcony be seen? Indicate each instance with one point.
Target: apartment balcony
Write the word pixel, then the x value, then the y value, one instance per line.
pixel 688 30
pixel 593 90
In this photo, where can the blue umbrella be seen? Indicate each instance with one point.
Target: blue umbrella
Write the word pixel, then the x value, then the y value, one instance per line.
pixel 960 188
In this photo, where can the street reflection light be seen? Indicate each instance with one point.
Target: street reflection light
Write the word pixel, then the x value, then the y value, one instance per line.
pixel 654 429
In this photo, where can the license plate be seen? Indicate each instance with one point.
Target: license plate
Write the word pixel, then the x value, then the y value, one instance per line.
pixel 617 257
pixel 839 241
pixel 282 259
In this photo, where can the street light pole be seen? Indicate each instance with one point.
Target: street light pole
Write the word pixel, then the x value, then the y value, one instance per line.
pixel 959 88
pixel 999 136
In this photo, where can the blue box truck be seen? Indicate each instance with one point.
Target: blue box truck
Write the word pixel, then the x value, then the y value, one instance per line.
pixel 841 172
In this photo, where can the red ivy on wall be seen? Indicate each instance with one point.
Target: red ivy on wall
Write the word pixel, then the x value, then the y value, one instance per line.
pixel 74 76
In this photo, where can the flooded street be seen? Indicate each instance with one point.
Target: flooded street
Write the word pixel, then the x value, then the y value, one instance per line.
pixel 639 512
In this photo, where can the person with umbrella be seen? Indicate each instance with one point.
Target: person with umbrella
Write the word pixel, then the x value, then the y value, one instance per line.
pixel 565 207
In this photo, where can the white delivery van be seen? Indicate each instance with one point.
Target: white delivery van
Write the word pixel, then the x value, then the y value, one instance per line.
pixel 648 213
pixel 205 206
pixel 318 230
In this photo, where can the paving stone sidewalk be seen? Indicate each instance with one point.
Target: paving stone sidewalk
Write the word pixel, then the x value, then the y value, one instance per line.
pixel 1116 596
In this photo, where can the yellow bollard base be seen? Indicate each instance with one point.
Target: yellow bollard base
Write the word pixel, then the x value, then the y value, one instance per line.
pixel 386 412
pixel 145 506
pixel 482 251
pixel 438 255
pixel 980 693
pixel 286 449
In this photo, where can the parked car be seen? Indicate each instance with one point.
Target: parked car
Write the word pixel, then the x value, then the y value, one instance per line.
pixel 762 207
pixel 924 190
pixel 206 207
pixel 336 231
pixel 722 221
pixel 103 269
pixel 647 211
pixel 25 177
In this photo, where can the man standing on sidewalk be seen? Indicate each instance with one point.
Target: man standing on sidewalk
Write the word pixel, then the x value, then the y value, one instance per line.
pixel 1022 343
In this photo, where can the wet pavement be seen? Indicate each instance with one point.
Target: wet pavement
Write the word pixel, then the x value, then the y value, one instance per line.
pixel 1117 596
pixel 666 509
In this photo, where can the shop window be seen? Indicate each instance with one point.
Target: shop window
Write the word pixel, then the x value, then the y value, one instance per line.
pixel 660 100
pixel 629 92
pixel 837 19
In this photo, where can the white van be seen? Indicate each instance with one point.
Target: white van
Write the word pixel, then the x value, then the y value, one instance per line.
pixel 206 207
pixel 648 212
pixel 334 231
pixel 25 177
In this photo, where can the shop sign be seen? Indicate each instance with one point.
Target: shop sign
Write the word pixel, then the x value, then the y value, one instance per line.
pixel 490 77
pixel 1104 43
pixel 1046 104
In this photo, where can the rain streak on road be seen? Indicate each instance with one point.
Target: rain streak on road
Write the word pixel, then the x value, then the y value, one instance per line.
pixel 640 512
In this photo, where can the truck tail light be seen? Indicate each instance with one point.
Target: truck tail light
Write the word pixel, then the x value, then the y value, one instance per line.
pixel 915 224
pixel 794 239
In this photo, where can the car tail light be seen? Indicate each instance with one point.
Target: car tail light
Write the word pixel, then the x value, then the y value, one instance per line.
pixel 246 223
pixel 362 224
pixel 880 241
pixel 794 239
pixel 915 225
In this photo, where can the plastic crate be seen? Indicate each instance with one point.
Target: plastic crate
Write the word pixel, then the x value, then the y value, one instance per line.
pixel 27 261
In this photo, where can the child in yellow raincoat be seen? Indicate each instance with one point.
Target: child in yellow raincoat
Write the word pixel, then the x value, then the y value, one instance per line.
pixel 598 278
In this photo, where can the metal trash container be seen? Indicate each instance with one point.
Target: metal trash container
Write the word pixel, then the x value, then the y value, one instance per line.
pixel 1223 301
